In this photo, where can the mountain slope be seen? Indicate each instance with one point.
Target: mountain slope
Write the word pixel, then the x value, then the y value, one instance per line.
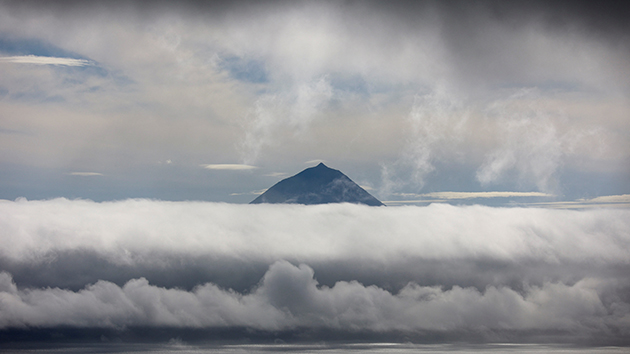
pixel 317 185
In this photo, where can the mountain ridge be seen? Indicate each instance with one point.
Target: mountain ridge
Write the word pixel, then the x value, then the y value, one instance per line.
pixel 317 185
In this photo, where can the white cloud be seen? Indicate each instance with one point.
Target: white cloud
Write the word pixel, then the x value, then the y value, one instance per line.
pixel 258 192
pixel 412 202
pixel 85 174
pixel 38 60
pixel 472 195
pixel 310 233
pixel 581 205
pixel 607 201
pixel 230 167
pixel 624 198
pixel 531 145
pixel 276 174
pixel 287 112
pixel 437 268
pixel 436 119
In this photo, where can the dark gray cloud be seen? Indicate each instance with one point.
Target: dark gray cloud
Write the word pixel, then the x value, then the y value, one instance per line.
pixel 289 297
pixel 75 269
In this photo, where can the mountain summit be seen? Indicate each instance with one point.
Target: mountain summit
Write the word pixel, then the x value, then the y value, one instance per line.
pixel 317 185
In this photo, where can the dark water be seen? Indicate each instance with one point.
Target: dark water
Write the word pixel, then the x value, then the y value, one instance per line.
pixel 379 348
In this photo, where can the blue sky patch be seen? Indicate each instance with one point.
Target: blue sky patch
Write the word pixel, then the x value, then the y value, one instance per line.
pixel 34 47
pixel 349 83
pixel 248 70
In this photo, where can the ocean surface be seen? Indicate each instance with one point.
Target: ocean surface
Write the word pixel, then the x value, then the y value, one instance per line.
pixel 374 348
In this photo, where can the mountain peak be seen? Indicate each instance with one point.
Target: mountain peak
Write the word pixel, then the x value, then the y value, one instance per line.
pixel 317 185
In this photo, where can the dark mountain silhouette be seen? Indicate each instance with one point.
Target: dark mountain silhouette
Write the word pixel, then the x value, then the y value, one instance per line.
pixel 317 185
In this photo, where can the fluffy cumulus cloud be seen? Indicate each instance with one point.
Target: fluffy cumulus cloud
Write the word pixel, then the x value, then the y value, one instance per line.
pixel 288 296
pixel 343 267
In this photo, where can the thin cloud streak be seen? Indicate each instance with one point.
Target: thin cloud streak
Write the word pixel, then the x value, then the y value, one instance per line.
pixel 625 198
pixel 251 193
pixel 473 195
pixel 229 167
pixel 86 174
pixel 39 60
pixel 606 201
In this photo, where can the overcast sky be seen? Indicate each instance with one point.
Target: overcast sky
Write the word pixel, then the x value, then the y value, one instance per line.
pixel 218 101
pixel 133 133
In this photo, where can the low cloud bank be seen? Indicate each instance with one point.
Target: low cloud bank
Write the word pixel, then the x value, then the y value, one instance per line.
pixel 288 297
pixel 338 267
pixel 125 230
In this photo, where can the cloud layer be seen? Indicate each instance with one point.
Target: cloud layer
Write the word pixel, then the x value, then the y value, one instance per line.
pixel 289 297
pixel 337 231
pixel 341 267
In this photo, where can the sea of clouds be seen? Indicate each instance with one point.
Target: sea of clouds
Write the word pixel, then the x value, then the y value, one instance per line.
pixel 436 269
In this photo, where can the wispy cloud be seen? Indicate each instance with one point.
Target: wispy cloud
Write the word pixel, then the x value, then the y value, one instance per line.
pixel 607 201
pixel 259 192
pixel 623 198
pixel 229 167
pixel 85 174
pixel 276 174
pixel 39 60
pixel 412 202
pixel 531 145
pixel 473 195
pixel 435 119
pixel 438 197
pixel 313 162
pixel 290 110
